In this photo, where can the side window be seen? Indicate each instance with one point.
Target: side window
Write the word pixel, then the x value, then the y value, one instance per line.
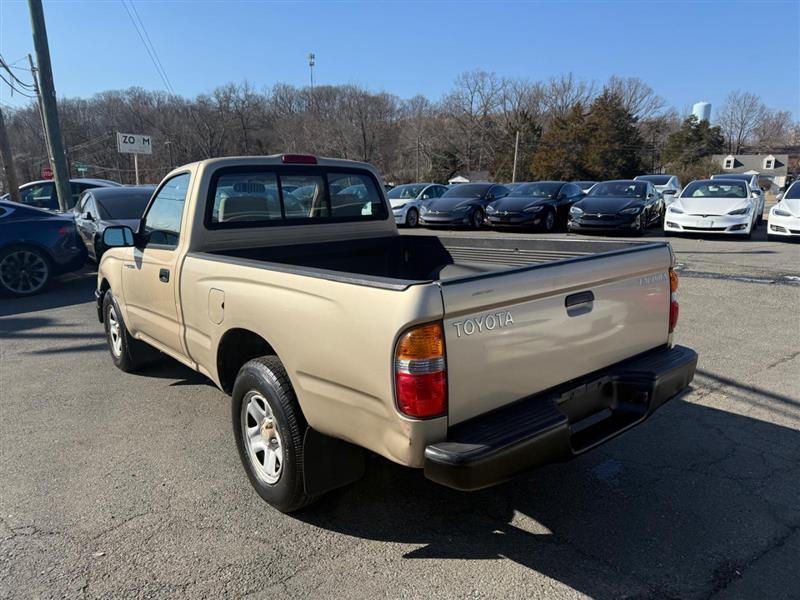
pixel 440 190
pixel 354 195
pixel 162 224
pixel 77 189
pixel 81 204
pixel 430 192
pixel 39 194
pixel 498 191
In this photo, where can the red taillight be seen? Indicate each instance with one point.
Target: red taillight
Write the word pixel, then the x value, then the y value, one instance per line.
pixel 420 372
pixel 64 230
pixel 674 308
pixel 299 159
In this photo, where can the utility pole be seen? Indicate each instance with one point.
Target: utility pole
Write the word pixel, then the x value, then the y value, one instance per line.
pixel 516 151
pixel 311 62
pixel 58 159
pixel 168 144
pixel 34 73
pixel 8 161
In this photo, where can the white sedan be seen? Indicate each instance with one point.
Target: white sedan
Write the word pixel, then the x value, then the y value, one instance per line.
pixel 406 200
pixel 716 206
pixel 784 217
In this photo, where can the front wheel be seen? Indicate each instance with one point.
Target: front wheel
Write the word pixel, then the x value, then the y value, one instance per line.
pixel 412 217
pixel 549 221
pixel 476 219
pixel 127 353
pixel 269 427
pixel 23 271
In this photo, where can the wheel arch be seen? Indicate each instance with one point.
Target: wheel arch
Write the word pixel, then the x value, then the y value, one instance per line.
pixel 237 346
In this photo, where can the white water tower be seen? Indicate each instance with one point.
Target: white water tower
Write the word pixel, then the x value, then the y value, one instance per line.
pixel 702 110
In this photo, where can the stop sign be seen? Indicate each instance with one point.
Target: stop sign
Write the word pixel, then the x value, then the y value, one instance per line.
pixel 47 173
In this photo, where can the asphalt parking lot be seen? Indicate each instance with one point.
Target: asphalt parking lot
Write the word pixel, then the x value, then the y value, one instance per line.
pixel 116 485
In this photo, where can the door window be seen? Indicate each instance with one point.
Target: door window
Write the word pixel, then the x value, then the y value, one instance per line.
pixel 162 224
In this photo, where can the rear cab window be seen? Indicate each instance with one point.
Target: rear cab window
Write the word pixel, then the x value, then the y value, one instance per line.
pixel 277 195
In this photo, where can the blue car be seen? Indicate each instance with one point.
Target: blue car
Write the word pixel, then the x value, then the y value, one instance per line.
pixel 35 245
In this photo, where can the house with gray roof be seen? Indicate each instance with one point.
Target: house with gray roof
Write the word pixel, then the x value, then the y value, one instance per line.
pixel 769 167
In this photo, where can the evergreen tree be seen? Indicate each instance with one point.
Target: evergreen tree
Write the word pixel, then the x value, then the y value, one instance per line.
pixel 613 142
pixel 561 150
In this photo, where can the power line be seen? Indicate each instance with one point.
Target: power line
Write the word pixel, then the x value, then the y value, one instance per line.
pixel 13 89
pixel 6 66
pixel 152 46
pixel 150 52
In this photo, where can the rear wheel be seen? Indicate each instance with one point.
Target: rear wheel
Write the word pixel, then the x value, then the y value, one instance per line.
pixel 269 427
pixel 24 271
pixel 412 217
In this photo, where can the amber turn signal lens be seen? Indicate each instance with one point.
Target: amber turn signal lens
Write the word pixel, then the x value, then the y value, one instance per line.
pixel 673 281
pixel 426 341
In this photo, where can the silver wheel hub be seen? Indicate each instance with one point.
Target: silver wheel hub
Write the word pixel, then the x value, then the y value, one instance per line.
pixel 262 441
pixel 114 332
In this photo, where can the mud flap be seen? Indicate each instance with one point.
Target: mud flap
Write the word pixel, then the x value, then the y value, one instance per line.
pixel 330 463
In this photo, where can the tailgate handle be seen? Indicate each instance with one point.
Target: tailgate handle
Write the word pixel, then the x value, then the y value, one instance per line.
pixel 578 304
pixel 163 275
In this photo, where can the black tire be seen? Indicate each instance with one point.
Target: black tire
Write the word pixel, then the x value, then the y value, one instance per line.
pixel 549 221
pixel 265 379
pixel 476 219
pixel 412 217
pixel 24 271
pixel 128 354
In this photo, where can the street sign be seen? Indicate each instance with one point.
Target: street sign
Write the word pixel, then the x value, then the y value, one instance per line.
pixel 134 143
pixel 47 173
pixel 81 168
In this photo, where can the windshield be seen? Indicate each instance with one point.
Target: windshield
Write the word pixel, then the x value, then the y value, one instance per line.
pixel 655 179
pixel 714 189
pixel 619 189
pixel 793 192
pixel 537 190
pixel 405 192
pixel 467 190
pixel 129 206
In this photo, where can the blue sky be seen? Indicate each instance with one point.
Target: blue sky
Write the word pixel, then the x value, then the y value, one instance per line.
pixel 687 51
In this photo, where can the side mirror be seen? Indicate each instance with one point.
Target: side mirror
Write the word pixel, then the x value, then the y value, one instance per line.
pixel 755 195
pixel 118 236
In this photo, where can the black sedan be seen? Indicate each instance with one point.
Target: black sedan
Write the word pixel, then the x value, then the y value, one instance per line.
pixel 544 204
pixel 35 245
pixel 622 205
pixel 101 207
pixel 462 205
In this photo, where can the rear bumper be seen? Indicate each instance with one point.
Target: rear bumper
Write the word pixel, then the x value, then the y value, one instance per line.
pixel 561 423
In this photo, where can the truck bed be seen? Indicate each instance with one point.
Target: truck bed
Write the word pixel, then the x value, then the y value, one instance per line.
pixel 399 261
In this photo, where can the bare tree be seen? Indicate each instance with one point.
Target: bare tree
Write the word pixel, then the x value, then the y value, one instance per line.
pixel 739 118
pixel 637 97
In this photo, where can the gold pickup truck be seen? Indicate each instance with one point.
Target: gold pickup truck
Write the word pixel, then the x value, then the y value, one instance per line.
pixel 284 280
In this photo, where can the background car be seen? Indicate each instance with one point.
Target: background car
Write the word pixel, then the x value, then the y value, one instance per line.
pixel 623 204
pixel 406 200
pixel 100 207
pixel 718 206
pixel 755 189
pixel 784 217
pixel 462 205
pixel 542 204
pixel 585 185
pixel 35 245
pixel 42 194
pixel 668 186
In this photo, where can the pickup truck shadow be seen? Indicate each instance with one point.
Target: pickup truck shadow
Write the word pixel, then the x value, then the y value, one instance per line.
pixel 678 507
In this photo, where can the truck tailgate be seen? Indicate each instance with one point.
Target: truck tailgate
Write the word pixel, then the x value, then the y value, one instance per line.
pixel 510 334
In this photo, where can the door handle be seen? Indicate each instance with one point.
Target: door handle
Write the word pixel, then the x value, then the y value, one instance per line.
pixel 579 304
pixel 163 275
